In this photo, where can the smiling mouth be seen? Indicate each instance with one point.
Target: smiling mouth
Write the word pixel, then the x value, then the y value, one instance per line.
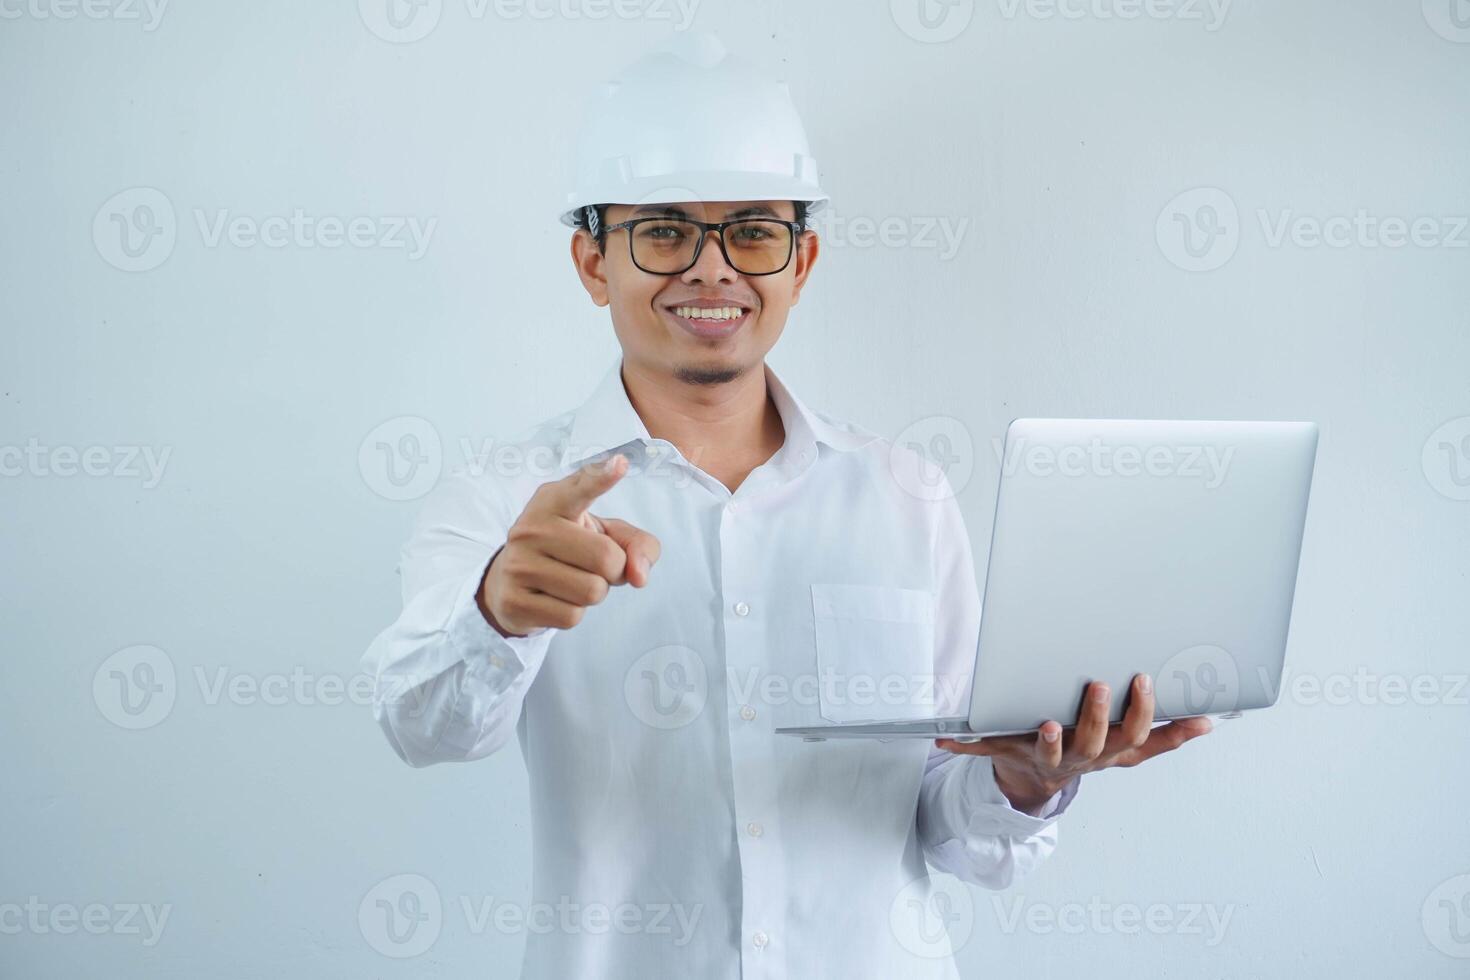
pixel 710 322
pixel 709 313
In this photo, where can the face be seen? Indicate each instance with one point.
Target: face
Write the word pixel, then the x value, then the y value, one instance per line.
pixel 681 326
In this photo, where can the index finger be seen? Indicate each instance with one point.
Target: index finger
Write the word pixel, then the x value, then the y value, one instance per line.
pixel 570 496
pixel 1004 746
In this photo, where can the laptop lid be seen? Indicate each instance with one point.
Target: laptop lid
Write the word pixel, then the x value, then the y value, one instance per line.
pixel 1122 546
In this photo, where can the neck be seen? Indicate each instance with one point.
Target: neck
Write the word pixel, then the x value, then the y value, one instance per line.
pixel 725 429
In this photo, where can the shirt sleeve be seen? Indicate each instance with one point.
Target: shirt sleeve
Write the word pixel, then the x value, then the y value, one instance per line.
pixel 966 825
pixel 972 831
pixel 447 686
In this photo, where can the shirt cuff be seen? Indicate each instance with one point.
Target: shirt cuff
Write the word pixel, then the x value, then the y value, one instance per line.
pixel 494 659
pixel 991 812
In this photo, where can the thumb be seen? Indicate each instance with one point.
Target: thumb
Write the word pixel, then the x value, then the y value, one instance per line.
pixel 641 547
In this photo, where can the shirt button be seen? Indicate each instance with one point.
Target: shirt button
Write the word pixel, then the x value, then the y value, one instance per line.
pixel 754 829
pixel 759 940
pixel 747 712
pixel 741 609
pixel 496 660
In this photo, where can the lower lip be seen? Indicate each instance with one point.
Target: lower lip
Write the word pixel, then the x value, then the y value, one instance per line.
pixel 710 329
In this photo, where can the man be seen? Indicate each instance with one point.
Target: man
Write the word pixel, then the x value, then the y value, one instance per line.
pixel 696 559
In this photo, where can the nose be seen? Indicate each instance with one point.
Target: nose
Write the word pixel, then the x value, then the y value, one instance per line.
pixel 711 266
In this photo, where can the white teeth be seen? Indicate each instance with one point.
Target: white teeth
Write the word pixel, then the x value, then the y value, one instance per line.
pixel 708 313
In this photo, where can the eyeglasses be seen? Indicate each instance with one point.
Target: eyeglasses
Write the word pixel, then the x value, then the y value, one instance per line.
pixel 670 246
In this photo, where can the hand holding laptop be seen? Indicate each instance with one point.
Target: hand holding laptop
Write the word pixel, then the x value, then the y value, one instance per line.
pixel 1031 769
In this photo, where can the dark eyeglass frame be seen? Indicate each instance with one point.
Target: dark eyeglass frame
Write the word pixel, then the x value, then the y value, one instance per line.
pixel 705 227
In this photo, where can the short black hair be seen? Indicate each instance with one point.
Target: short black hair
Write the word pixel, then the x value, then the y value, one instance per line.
pixel 803 209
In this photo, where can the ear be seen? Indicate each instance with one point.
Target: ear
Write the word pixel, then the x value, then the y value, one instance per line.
pixel 591 265
pixel 807 248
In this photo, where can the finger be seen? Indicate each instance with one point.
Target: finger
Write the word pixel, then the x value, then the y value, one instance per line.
pixel 641 548
pixel 1138 720
pixel 1049 745
pixel 571 496
pixel 565 582
pixel 1091 732
pixel 1003 746
pixel 1197 724
pixel 529 610
pixel 1166 738
pixel 965 748
pixel 587 550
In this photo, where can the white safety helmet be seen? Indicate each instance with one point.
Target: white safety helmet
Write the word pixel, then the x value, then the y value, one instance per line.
pixel 689 122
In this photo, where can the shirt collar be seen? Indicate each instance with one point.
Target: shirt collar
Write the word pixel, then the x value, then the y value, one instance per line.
pixel 607 420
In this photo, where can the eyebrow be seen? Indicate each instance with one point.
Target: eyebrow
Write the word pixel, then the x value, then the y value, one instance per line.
pixel 665 210
pixel 757 210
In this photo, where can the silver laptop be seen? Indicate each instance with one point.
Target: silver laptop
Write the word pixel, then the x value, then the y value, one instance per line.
pixel 1123 547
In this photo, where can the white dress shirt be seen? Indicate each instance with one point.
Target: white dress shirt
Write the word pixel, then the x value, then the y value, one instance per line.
pixel 675 834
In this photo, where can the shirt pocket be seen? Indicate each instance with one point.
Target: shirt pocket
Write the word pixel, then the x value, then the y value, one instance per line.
pixel 875 652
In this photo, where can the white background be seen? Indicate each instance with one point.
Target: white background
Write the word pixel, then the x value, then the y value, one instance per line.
pixel 1330 829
